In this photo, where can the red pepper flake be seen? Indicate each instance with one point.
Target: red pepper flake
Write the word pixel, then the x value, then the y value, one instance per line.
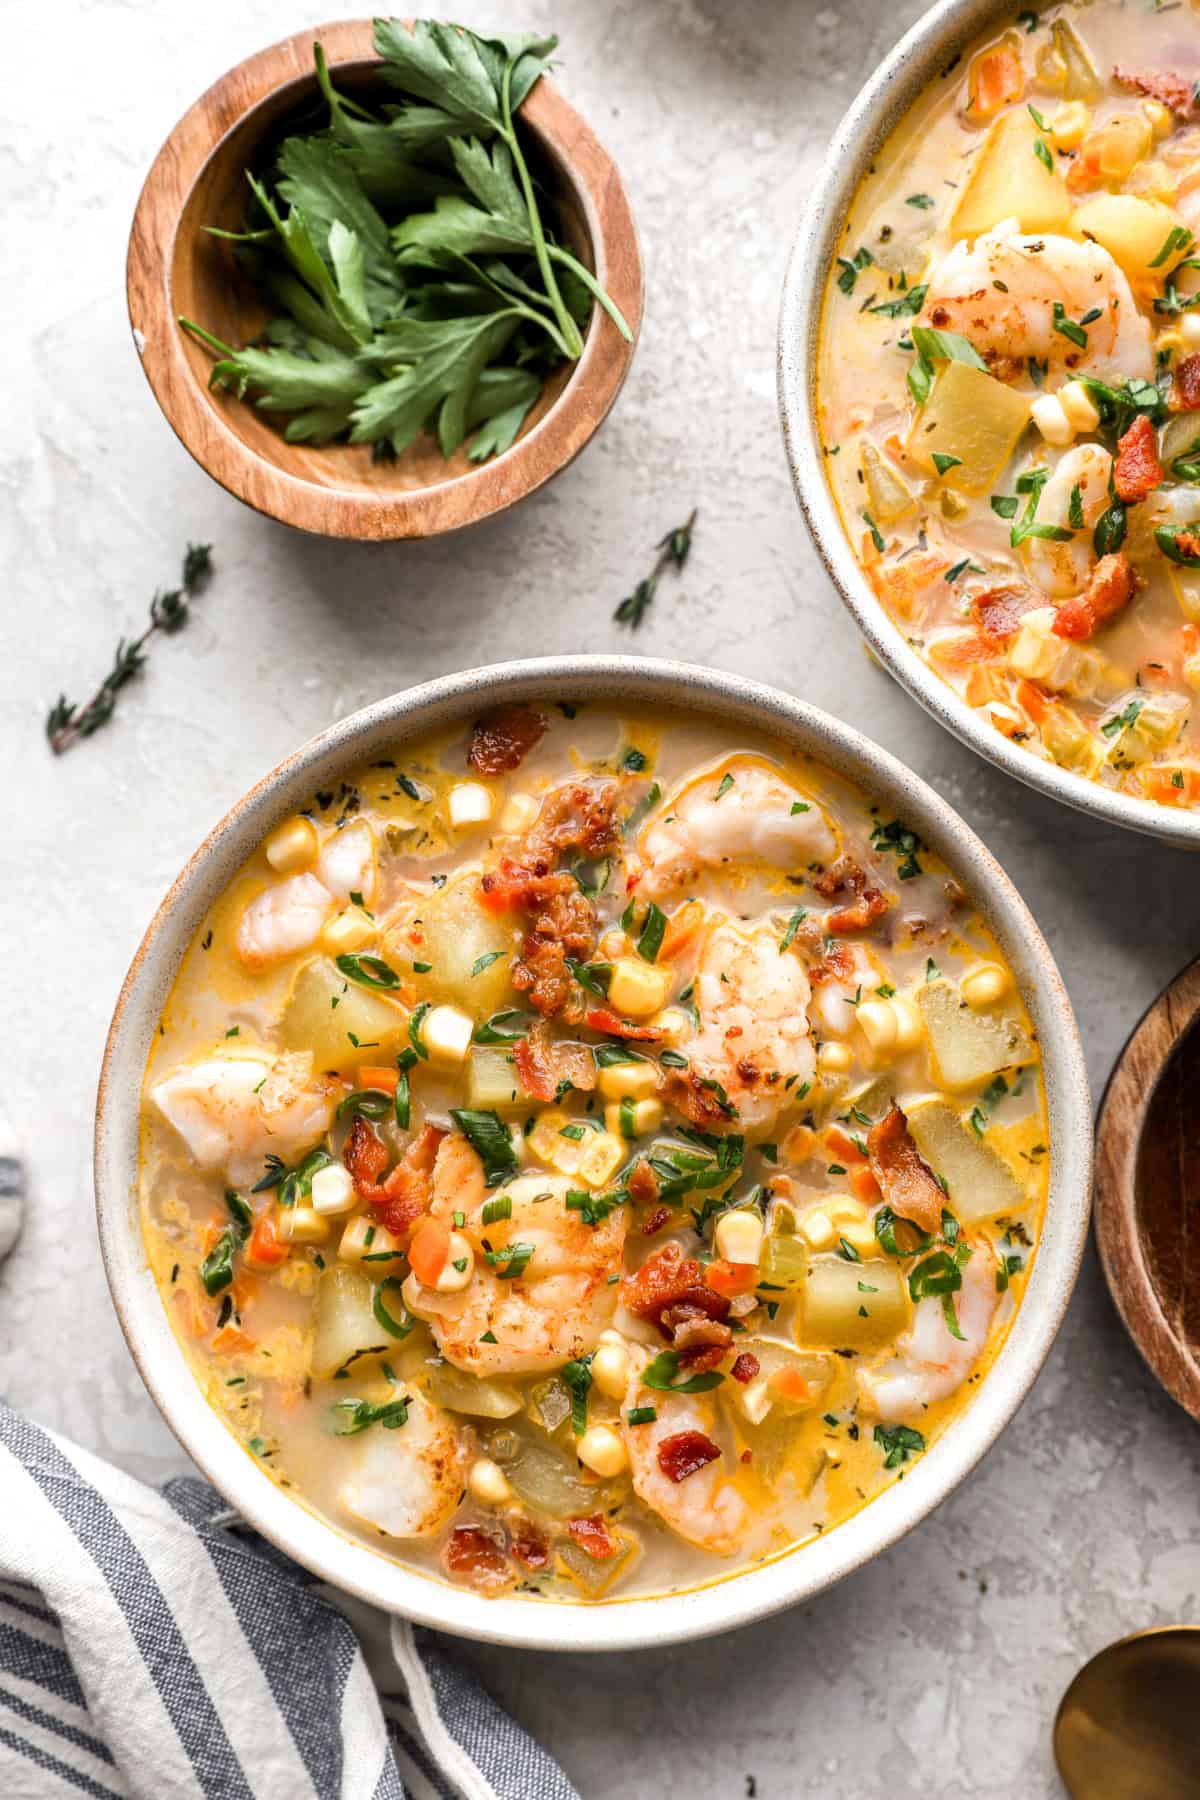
pixel 686 1453
pixel 745 1367
pixel 594 1536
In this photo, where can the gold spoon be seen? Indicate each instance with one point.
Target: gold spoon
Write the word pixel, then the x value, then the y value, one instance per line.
pixel 1128 1725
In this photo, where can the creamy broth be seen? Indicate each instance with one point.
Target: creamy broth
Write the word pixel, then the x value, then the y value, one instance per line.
pixel 600 1235
pixel 1009 387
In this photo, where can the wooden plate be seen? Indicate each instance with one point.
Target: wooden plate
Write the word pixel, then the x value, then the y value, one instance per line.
pixel 174 266
pixel 1148 1187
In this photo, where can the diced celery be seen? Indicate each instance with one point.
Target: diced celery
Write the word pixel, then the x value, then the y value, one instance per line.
pixel 782 1262
pixel 492 1079
pixel 471 1394
pixel 888 497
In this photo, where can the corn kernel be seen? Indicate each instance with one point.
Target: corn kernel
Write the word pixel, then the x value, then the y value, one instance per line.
pixel 984 985
pixel 1158 117
pixel 637 988
pixel 350 930
pixel 876 1019
pixel 799 1143
pixel 361 1239
pixel 446 1034
pixel 1079 406
pixel 470 803
pixel 845 1211
pixel 1123 142
pixel 835 1059
pixel 301 1225
pixel 487 1482
pixel 817 1230
pixel 627 1081
pixel 602 1450
pixel 293 846
pixel 910 1026
pixel 520 810
pixel 547 1143
pixel 1051 420
pixel 458 1267
pixel 610 1369
pixel 614 943
pixel 1070 125
pixel 633 1118
pixel 954 506
pixel 602 1155
pixel 333 1190
pixel 738 1236
pixel 673 1023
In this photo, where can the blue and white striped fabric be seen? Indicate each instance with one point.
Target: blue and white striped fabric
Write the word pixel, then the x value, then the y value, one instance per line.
pixel 149 1651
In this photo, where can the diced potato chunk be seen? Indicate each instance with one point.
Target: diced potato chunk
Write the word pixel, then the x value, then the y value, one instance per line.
pixel 492 1079
pixel 888 497
pixel 1010 181
pixel 967 1047
pixel 980 1183
pixel 970 415
pixel 459 1392
pixel 326 1011
pixel 853 1304
pixel 345 1324
pixel 459 936
pixel 1134 232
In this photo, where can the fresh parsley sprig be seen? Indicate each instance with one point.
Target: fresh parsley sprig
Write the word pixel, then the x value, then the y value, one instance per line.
pixel 673 552
pixel 66 723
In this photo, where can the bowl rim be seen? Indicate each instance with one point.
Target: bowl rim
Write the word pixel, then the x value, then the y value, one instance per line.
pixel 922 53
pixel 765 1588
pixel 549 446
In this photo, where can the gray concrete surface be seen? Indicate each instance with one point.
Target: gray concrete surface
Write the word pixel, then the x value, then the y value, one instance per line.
pixel 936 1670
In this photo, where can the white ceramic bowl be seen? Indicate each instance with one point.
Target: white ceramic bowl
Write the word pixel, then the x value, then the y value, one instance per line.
pixel 941 35
pixel 728 1601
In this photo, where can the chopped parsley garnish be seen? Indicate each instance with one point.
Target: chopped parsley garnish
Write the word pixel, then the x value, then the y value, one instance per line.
pixel 898 1443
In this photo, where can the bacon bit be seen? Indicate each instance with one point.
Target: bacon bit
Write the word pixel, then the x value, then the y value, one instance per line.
pixel 745 1367
pixel 532 1062
pixel 747 1456
pixel 661 1216
pixel 1137 470
pixel 405 1195
pixel 1185 392
pixel 669 1279
pixel 1188 543
pixel 528 1545
pixel 1173 90
pixel 684 1453
pixel 473 1555
pixel 594 1536
pixel 836 965
pixel 602 1018
pixel 1000 610
pixel 575 817
pixel 907 1182
pixel 503 738
pixel 869 902
pixel 685 1091
pixel 1113 584
pixel 732 1278
pixel 693 1329
pixel 643 1185
pixel 365 1155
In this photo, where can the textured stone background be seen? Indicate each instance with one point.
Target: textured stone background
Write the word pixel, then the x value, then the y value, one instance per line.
pixel 937 1669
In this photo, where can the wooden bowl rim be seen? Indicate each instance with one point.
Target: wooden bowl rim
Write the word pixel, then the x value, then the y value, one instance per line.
pixel 460 500
pixel 1128 1095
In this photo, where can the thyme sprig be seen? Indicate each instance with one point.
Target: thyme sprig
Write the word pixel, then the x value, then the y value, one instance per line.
pixel 169 611
pixel 673 552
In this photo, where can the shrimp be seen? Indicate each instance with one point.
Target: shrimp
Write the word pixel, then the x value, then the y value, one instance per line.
pixel 832 1009
pixel 551 1311
pixel 347 865
pixel 407 1481
pixel 931 1363
pixel 746 812
pixel 286 917
pixel 232 1112
pixel 705 1507
pixel 1065 568
pixel 1001 292
pixel 754 1033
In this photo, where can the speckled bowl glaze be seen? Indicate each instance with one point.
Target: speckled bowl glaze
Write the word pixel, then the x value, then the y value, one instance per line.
pixel 944 32
pixel 725 1601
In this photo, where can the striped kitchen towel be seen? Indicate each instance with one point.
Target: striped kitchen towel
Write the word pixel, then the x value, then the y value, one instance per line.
pixel 149 1650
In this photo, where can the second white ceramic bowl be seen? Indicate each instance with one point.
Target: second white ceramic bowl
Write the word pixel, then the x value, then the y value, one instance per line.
pixel 725 1601
pixel 920 59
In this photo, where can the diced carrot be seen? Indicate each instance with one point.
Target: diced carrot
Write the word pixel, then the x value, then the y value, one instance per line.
pixel 900 584
pixel 1189 637
pixel 864 1184
pixel 429 1249
pixel 789 1384
pixel 1034 700
pixel 1172 787
pixel 230 1341
pixel 244 1289
pixel 962 649
pixel 265 1249
pixel 731 1278
pixel 996 80
pixel 195 1319
pixel 682 927
pixel 840 1144
pixel 385 1080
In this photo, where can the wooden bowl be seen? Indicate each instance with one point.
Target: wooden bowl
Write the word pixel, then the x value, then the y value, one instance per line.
pixel 175 266
pixel 1148 1188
